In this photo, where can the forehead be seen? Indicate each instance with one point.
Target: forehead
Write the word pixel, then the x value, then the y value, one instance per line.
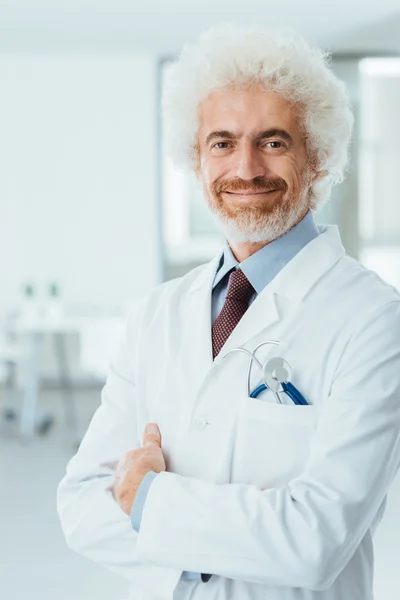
pixel 246 112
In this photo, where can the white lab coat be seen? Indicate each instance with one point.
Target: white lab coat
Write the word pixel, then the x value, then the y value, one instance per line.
pixel 327 466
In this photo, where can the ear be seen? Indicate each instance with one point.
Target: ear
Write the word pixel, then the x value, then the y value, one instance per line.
pixel 197 170
pixel 196 161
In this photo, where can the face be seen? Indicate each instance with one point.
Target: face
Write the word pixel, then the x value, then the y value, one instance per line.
pixel 253 163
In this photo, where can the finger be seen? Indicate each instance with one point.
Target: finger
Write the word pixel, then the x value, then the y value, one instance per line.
pixel 152 435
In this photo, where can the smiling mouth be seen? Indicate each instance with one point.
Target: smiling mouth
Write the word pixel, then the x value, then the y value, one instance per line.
pixel 250 192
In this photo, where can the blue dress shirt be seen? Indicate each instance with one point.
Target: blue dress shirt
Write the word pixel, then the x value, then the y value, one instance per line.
pixel 260 269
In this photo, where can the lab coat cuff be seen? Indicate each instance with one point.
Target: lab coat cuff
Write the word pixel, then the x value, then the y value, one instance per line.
pixel 157 528
pixel 140 499
pixel 136 517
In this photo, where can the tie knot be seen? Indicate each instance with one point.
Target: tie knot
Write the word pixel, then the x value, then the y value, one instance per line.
pixel 239 287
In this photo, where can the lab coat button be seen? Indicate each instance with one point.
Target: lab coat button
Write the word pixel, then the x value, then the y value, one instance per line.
pixel 200 422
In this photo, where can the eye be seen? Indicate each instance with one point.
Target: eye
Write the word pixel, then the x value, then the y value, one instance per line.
pixel 221 145
pixel 275 145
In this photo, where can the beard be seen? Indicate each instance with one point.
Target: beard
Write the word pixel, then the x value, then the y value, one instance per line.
pixel 259 222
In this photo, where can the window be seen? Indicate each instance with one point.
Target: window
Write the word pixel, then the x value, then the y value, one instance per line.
pixel 379 165
pixel 190 234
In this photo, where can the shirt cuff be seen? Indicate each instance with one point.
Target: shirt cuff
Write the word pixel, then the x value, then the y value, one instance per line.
pixel 191 576
pixel 140 499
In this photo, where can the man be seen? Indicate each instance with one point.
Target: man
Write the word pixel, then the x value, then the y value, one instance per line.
pixel 186 485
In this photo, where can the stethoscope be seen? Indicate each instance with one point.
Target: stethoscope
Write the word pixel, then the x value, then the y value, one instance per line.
pixel 276 374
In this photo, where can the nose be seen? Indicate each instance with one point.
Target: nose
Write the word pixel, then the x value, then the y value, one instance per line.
pixel 250 162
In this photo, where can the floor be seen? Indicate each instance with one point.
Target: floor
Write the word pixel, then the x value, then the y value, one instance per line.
pixel 35 563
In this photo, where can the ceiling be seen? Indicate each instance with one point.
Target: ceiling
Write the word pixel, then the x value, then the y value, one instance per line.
pixel 162 26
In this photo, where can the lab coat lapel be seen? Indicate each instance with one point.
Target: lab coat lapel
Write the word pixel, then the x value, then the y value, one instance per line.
pixel 198 342
pixel 280 299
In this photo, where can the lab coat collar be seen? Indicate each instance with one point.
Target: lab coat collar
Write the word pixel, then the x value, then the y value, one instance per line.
pixel 300 275
pixel 293 281
pixel 207 273
pixel 261 267
pixel 282 296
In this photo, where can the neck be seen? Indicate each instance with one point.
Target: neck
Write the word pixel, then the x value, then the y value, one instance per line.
pixel 242 250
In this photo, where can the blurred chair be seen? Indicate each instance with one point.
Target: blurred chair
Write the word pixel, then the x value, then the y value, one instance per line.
pixel 10 356
pixel 33 333
pixel 16 355
pixel 13 356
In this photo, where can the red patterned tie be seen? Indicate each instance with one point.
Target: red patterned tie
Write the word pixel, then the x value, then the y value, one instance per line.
pixel 236 303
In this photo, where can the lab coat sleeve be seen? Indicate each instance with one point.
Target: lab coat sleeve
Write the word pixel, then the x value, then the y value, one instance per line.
pixel 137 511
pixel 93 523
pixel 304 533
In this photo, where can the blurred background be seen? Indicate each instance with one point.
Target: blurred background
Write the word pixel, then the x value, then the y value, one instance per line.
pixel 93 215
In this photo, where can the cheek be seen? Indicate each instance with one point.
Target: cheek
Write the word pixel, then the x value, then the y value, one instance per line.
pixel 209 173
pixel 292 173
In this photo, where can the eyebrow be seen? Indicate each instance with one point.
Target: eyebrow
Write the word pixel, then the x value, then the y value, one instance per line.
pixel 273 132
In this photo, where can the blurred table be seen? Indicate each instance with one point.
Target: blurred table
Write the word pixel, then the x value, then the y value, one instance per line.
pixel 34 331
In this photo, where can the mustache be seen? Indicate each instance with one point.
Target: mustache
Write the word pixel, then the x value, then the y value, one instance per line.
pixel 257 184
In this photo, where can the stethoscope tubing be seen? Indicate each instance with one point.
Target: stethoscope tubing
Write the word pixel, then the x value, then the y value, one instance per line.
pixel 253 354
pixel 287 387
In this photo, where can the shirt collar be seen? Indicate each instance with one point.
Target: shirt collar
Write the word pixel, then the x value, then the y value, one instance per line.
pixel 262 266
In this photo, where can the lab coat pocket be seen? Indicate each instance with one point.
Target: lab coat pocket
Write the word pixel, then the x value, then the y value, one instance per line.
pixel 271 442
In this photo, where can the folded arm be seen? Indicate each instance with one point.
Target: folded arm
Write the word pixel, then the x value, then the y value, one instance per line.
pixel 304 533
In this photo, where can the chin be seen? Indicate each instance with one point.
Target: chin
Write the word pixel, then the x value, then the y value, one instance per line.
pixel 255 227
pixel 239 232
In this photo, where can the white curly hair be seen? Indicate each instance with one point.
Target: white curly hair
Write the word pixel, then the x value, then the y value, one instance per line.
pixel 230 56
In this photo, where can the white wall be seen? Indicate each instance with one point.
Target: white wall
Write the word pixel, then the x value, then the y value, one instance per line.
pixel 78 176
pixel 387 549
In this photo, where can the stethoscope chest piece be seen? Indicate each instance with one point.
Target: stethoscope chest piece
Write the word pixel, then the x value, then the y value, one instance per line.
pixel 276 371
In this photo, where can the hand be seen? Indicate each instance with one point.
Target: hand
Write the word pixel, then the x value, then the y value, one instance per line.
pixel 135 464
